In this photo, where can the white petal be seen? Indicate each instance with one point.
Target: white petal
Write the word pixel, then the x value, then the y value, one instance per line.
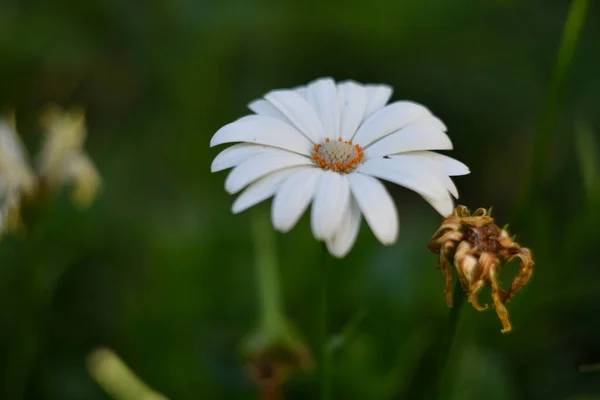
pixel 302 91
pixel 411 173
pixel 293 197
pixel 332 198
pixel 425 134
pixel 376 205
pixel 389 119
pixel 431 163
pixel 238 153
pixel 259 166
pixel 297 110
pixel 259 129
pixel 449 184
pixel 352 101
pixel 443 205
pixel 422 175
pixel 14 162
pixel 378 96
pixel 11 144
pixel 346 234
pixel 263 107
pixel 451 166
pixel 341 99
pixel 262 189
pixel 322 96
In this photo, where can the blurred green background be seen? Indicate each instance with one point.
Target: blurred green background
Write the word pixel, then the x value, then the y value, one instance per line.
pixel 161 271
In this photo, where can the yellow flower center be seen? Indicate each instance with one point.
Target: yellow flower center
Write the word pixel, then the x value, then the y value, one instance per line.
pixel 338 155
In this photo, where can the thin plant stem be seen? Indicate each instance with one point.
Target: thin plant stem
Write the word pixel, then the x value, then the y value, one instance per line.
pixel 325 348
pixel 272 320
pixel 546 134
pixel 35 298
pixel 458 300
pixel 444 347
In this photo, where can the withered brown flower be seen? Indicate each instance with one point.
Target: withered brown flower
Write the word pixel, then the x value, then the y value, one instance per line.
pixel 479 248
pixel 272 368
pixel 272 357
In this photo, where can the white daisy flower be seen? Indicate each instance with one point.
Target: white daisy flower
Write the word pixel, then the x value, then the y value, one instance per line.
pixel 16 176
pixel 63 159
pixel 327 144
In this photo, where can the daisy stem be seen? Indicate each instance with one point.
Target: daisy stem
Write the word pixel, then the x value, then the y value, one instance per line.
pixel 548 128
pixel 272 320
pixel 325 350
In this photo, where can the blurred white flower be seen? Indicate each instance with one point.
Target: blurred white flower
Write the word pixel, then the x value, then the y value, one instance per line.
pixel 63 160
pixel 327 143
pixel 16 176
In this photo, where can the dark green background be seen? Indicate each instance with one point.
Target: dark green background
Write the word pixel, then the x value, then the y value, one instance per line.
pixel 161 271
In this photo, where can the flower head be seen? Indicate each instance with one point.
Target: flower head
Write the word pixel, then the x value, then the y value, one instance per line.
pixel 63 159
pixel 326 144
pixel 271 358
pixel 16 176
pixel 479 248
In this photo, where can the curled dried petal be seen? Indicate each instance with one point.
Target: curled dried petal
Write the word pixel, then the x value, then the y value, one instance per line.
pixel 524 274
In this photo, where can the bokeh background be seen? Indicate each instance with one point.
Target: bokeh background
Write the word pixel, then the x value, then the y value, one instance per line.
pixel 160 270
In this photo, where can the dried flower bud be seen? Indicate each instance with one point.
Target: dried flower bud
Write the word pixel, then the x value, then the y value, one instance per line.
pixel 271 360
pixel 478 248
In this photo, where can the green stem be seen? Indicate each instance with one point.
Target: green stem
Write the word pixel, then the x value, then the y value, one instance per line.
pixel 547 131
pixel 267 276
pixel 325 350
pixel 435 360
pixel 447 342
pixel 35 300
pixel 458 300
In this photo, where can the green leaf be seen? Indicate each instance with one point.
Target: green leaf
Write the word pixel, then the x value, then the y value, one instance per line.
pixel 589 163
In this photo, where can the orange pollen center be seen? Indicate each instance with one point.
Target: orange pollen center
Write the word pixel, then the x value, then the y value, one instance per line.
pixel 338 155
